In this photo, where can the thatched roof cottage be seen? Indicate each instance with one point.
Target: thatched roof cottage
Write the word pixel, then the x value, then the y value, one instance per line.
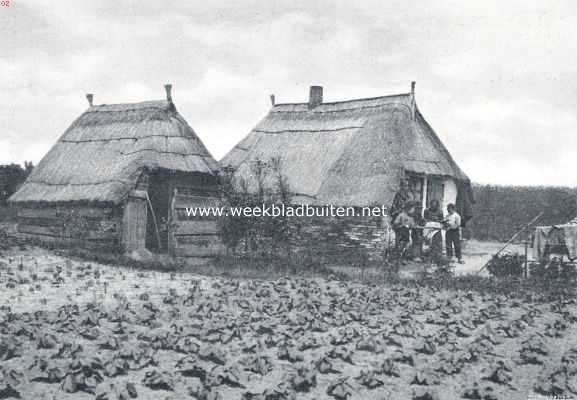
pixel 352 153
pixel 115 179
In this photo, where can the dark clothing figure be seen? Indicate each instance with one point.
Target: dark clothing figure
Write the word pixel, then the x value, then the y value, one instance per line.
pixel 418 217
pixel 403 236
pixel 433 215
pixel 453 240
pixel 401 217
pixel 401 199
pixel 402 225
pixel 417 239
pixel 417 233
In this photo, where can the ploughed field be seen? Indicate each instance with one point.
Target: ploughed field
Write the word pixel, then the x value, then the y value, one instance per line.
pixel 75 330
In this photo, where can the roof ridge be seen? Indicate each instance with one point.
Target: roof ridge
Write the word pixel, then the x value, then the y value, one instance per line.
pixel 319 110
pixel 122 107
pixel 346 101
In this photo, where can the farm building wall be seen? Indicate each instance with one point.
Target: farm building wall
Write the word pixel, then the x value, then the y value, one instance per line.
pixel 450 195
pixel 88 227
pixel 335 239
pixel 193 236
pixel 105 227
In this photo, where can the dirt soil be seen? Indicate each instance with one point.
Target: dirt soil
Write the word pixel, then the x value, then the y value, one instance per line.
pixel 476 254
pixel 77 330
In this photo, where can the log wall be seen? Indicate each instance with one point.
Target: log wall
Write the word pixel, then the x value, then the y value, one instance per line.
pixel 66 226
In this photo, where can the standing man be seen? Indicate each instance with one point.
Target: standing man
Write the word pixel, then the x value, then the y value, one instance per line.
pixel 403 225
pixel 453 235
pixel 417 232
pixel 402 198
pixel 434 212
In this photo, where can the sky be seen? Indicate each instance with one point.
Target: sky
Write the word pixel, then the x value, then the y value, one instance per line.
pixel 497 80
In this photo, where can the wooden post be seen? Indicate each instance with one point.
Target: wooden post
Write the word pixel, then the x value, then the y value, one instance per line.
pixel 526 262
pixel 155 222
pixel 172 224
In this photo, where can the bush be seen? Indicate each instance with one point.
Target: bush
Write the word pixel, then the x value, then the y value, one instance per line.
pixel 506 265
pixel 11 177
pixel 265 238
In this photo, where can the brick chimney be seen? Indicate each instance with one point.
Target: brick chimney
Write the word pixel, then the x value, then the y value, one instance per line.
pixel 315 96
pixel 89 97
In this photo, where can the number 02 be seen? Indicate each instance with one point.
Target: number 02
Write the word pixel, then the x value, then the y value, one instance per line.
pixel 5 3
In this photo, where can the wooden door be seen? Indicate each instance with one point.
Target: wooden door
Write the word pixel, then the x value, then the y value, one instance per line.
pixel 134 223
pixel 435 191
pixel 194 236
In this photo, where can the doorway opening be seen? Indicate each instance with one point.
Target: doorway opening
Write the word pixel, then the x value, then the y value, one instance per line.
pixel 157 224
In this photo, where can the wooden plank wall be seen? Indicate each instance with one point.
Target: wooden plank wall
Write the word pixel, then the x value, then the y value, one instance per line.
pixel 134 222
pixel 89 227
pixel 194 236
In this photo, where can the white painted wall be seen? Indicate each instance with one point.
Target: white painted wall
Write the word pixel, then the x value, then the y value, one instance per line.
pixel 450 193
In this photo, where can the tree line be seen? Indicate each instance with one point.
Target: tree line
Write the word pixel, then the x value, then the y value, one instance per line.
pixel 11 177
pixel 500 211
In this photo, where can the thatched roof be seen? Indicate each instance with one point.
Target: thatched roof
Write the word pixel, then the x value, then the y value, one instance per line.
pixel 102 154
pixel 345 153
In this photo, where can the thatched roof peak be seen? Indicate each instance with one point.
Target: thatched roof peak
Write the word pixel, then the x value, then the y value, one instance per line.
pixel 350 152
pixel 104 151
pixel 316 103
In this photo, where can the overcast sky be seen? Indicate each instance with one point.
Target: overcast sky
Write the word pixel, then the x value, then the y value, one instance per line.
pixel 496 79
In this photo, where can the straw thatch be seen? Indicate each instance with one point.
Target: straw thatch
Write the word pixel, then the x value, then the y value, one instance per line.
pixel 100 157
pixel 346 153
